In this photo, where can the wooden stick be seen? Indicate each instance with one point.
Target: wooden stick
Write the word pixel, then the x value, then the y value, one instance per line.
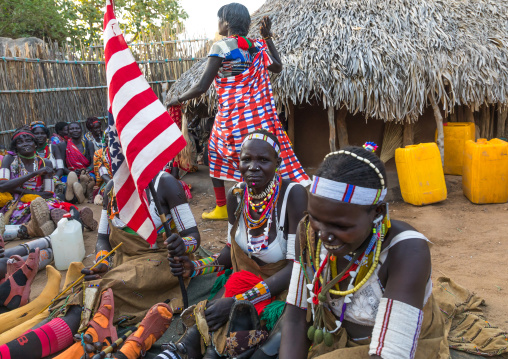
pixel 116 344
pixel 79 279
pixel 331 124
pixel 342 128
pixel 439 124
pixel 168 231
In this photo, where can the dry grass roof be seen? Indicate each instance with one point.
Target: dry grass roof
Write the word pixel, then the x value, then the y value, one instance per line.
pixel 384 57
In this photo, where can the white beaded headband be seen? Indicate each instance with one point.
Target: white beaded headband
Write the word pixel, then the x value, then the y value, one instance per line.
pixel 260 136
pixel 349 193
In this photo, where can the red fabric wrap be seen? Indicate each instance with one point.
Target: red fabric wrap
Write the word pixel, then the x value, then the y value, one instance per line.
pixel 245 103
pixel 74 158
pixel 242 281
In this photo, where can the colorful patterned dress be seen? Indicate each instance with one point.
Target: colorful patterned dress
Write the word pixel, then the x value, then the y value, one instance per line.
pixel 245 104
pixel 22 212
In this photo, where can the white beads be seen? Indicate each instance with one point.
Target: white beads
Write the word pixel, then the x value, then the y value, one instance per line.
pixel 365 160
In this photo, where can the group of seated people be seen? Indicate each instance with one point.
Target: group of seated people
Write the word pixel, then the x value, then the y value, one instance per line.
pixel 40 171
pixel 329 270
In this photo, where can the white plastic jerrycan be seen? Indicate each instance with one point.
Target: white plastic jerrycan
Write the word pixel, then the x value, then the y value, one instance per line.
pixel 67 242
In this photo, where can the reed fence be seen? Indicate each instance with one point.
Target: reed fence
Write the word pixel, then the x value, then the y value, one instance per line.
pixel 54 83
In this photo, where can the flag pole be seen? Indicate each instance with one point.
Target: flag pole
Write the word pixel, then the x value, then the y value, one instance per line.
pixel 168 231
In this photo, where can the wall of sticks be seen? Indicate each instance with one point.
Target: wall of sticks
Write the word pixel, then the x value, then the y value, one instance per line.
pixel 67 83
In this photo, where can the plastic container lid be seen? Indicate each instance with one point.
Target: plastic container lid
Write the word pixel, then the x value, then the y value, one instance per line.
pixel 67 215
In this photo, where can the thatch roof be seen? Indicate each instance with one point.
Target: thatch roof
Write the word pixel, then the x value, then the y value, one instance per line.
pixel 384 57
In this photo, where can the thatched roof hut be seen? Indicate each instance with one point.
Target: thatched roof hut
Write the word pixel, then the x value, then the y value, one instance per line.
pixel 385 60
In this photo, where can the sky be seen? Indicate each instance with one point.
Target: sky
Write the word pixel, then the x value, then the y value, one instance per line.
pixel 202 21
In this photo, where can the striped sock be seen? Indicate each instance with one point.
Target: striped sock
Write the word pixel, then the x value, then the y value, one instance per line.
pixel 41 342
pixel 167 354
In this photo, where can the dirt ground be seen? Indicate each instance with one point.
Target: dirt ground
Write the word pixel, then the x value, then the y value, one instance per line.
pixel 470 242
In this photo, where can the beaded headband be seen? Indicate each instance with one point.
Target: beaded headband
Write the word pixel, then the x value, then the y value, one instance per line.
pixel 259 136
pixel 348 193
pixel 36 124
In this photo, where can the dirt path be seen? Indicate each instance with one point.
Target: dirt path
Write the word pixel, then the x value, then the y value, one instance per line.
pixel 470 242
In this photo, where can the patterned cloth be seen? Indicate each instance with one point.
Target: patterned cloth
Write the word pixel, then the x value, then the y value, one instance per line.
pixel 21 213
pixel 235 61
pixel 56 139
pixel 74 158
pixel 96 144
pixel 101 166
pixel 245 103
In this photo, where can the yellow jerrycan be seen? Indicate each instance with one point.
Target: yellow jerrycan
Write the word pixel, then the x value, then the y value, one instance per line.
pixel 455 136
pixel 420 173
pixel 485 173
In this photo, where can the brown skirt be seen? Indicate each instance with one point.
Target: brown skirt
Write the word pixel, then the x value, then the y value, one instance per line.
pixel 141 277
pixel 452 319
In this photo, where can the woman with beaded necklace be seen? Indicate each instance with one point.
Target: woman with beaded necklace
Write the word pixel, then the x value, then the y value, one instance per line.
pixel 45 149
pixel 238 66
pixel 26 176
pixel 263 215
pixel 360 281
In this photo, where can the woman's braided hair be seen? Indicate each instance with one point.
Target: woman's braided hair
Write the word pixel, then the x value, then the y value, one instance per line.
pixel 341 167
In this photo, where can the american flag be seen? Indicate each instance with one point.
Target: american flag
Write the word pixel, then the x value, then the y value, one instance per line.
pixel 142 138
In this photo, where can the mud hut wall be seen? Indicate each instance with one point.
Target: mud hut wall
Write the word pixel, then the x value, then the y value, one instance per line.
pixel 312 132
pixel 68 83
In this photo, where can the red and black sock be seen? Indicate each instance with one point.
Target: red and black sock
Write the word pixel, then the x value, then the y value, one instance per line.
pixel 46 340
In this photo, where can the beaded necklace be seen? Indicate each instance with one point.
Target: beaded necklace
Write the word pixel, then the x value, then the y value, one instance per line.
pixel 266 196
pixel 27 157
pixel 319 288
pixel 256 244
pixel 45 151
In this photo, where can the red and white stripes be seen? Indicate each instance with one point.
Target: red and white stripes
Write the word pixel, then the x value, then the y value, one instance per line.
pixel 148 136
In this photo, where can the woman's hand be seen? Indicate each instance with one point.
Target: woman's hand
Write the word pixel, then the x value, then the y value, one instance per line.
pixel 266 27
pixel 174 101
pixel 45 171
pixel 96 273
pixel 181 266
pixel 175 245
pixel 217 313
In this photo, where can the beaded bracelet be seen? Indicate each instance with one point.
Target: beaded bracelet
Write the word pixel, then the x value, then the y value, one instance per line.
pixel 257 294
pixel 191 244
pixel 99 258
pixel 206 266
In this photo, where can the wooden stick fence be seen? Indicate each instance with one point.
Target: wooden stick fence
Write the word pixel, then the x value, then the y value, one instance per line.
pixel 68 83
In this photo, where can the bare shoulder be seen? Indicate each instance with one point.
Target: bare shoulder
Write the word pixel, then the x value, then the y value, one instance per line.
pixel 413 250
pixel 297 192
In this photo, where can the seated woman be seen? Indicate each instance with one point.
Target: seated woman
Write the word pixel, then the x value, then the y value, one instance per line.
pixel 61 133
pixel 94 133
pixel 46 150
pixel 361 280
pixel 139 275
pixel 263 214
pixel 26 185
pixel 78 153
pixel 50 152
